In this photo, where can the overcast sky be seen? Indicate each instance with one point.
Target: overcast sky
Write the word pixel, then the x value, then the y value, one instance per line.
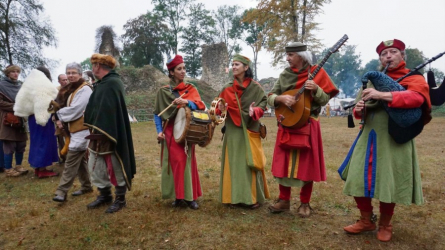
pixel 420 24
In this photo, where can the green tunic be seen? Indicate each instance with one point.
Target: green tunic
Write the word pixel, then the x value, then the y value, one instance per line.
pixel 392 175
pixel 239 183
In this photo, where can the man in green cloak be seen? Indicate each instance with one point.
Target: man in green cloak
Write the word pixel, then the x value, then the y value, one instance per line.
pixel 111 157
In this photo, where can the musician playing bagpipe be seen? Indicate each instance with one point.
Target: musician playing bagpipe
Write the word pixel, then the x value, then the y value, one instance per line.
pixel 243 180
pixel 376 165
pixel 298 158
pixel 180 179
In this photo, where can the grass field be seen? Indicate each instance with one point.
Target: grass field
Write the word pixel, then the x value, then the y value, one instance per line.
pixel 29 219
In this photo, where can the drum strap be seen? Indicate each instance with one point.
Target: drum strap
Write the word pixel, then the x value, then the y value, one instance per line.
pixel 175 93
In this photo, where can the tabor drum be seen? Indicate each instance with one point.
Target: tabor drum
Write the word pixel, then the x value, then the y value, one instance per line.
pixel 193 127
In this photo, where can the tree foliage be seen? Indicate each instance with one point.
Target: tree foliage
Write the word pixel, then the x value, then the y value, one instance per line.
pixel 228 28
pixel 86 64
pixel 255 36
pixel 146 40
pixel 199 30
pixel 414 57
pixel 344 69
pixel 288 21
pixel 174 12
pixel 24 33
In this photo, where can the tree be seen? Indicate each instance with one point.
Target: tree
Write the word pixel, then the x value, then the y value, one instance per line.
pixel 344 69
pixel 199 30
pixel 24 34
pixel 146 40
pixel 86 64
pixel 373 65
pixel 255 37
pixel 228 28
pixel 288 21
pixel 414 57
pixel 173 11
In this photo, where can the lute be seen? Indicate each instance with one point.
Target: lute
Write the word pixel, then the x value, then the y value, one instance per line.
pixel 297 115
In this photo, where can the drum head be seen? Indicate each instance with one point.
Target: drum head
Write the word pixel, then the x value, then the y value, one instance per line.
pixel 182 121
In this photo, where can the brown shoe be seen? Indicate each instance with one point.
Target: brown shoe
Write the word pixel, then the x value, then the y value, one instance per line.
pixel 366 223
pixel 385 228
pixel 21 169
pixel 12 173
pixel 304 210
pixel 280 206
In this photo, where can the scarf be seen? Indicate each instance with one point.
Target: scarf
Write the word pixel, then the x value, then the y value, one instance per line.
pixel 9 88
pixel 321 79
pixel 230 98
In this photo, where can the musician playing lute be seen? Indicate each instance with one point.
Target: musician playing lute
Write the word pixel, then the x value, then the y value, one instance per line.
pixel 298 158
pixel 376 166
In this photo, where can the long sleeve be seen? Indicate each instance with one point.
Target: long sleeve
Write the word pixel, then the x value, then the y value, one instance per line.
pixel 192 105
pixel 77 107
pixel 406 99
pixel 321 97
pixel 6 106
pixel 158 123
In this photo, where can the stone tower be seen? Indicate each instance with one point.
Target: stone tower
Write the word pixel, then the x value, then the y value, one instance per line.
pixel 214 60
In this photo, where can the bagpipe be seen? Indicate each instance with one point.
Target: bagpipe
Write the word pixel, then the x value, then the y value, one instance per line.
pixel 403 124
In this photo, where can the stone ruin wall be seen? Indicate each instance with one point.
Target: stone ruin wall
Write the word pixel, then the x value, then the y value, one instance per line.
pixel 214 65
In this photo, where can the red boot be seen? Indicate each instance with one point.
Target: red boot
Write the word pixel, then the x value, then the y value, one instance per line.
pixel 366 223
pixel 385 228
pixel 44 173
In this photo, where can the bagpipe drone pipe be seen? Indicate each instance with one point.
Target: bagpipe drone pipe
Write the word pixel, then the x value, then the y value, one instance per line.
pixel 437 94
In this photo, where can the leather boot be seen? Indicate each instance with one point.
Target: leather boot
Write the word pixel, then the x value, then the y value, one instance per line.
pixel 119 202
pixel 366 223
pixel 117 205
pixel 280 206
pixel 304 210
pixel 385 228
pixel 104 198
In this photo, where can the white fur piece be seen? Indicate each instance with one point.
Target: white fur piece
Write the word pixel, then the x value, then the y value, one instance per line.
pixel 34 97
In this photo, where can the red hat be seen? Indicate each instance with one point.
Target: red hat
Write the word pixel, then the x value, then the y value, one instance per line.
pixel 390 44
pixel 172 63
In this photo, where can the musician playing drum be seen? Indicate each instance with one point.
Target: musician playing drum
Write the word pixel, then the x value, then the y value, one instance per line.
pixel 298 158
pixel 180 179
pixel 376 166
pixel 243 180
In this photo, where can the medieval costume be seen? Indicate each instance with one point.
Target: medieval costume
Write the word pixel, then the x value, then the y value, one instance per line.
pixel 378 167
pixel 300 165
pixel 240 182
pixel 32 102
pixel 111 153
pixel 180 179
pixel 74 98
pixel 13 137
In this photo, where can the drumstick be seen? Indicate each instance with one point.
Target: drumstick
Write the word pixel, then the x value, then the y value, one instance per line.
pixel 171 104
